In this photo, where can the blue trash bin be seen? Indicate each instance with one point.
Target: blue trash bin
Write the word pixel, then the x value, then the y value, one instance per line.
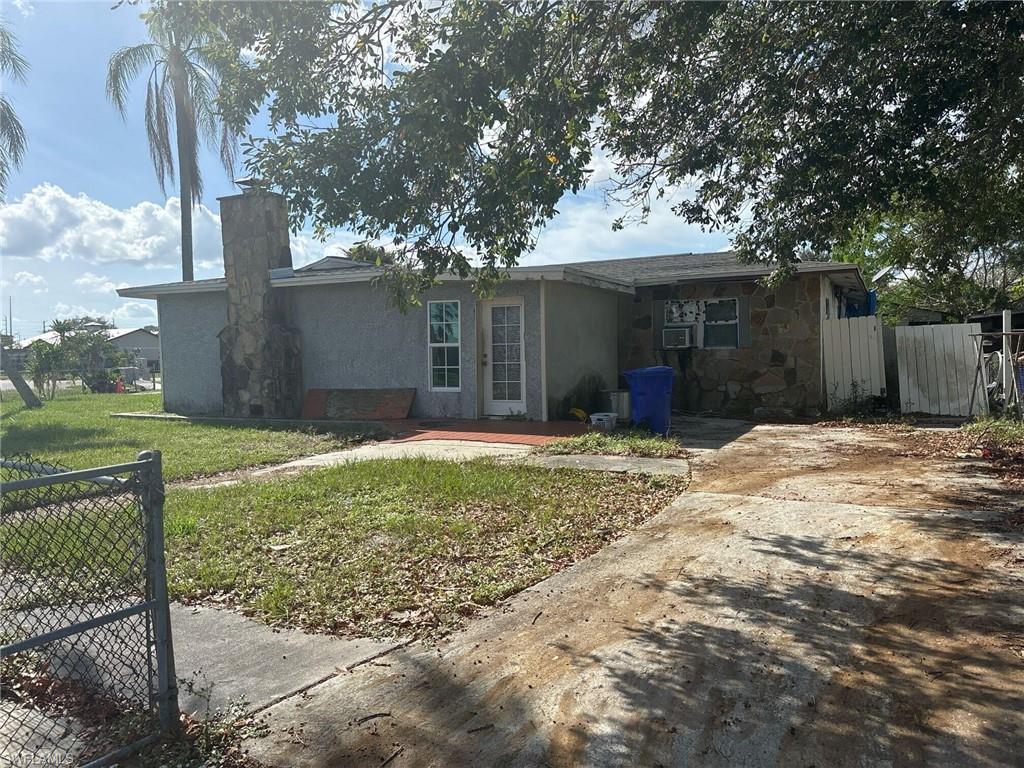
pixel 650 390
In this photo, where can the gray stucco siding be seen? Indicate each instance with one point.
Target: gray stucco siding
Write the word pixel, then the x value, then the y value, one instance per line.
pixel 190 351
pixel 353 337
pixel 582 337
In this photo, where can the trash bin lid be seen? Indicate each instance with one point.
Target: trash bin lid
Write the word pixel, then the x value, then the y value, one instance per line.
pixel 654 370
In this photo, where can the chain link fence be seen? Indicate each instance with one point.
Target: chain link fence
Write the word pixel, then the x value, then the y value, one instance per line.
pixel 86 667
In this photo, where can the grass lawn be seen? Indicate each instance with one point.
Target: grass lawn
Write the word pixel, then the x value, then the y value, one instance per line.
pixel 395 547
pixel 1006 433
pixel 621 442
pixel 76 430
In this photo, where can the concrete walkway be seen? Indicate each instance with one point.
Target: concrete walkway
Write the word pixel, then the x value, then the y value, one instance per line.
pixel 452 450
pixel 763 626
pixel 231 659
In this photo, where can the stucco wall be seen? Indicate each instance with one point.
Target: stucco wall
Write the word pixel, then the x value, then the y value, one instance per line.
pixel 781 368
pixel 352 337
pixel 582 328
pixel 190 351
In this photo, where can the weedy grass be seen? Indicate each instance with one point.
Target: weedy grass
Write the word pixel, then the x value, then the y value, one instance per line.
pixel 1005 433
pixel 76 430
pixel 395 546
pixel 622 442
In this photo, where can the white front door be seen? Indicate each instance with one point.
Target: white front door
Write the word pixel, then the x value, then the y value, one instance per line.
pixel 502 357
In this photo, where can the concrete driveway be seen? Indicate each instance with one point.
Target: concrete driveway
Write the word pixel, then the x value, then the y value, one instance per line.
pixel 818 598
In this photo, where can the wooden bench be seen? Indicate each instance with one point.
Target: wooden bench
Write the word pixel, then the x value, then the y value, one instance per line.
pixel 358 404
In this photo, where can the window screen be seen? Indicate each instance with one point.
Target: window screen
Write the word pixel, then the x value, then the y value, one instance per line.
pixel 443 343
pixel 721 323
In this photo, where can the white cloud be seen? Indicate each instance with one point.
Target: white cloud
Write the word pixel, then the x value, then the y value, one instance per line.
pixel 583 231
pixel 125 314
pixel 134 314
pixel 28 278
pixel 98 283
pixel 24 7
pixel 63 310
pixel 48 224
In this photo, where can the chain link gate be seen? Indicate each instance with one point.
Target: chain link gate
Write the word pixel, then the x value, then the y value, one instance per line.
pixel 86 664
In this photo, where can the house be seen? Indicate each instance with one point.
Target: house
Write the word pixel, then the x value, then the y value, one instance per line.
pixel 256 341
pixel 139 342
pixel 991 322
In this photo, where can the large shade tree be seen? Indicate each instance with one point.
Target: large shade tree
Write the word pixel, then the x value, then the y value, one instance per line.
pixel 182 83
pixel 924 261
pixel 455 128
pixel 13 141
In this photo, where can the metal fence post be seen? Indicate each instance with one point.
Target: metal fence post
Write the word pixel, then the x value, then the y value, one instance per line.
pixel 153 502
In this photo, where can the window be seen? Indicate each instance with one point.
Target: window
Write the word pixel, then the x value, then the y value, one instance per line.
pixel 721 323
pixel 443 345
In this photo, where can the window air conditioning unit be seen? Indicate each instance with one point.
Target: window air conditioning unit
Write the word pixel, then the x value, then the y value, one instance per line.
pixel 677 338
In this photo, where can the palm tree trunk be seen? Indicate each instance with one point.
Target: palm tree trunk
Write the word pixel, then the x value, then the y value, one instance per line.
pixel 183 130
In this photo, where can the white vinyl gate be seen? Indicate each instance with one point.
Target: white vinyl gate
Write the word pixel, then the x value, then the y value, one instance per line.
pixel 853 358
pixel 937 369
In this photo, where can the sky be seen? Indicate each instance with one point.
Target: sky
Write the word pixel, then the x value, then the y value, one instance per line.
pixel 85 215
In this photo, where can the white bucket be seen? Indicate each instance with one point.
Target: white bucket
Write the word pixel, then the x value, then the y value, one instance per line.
pixel 604 421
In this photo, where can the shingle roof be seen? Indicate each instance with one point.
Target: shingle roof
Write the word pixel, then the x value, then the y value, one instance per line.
pixel 651 270
pixel 617 274
pixel 332 263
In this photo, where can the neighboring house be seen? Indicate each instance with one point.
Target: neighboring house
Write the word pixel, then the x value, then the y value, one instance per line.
pixel 140 342
pixel 253 343
pixel 919 316
pixel 992 322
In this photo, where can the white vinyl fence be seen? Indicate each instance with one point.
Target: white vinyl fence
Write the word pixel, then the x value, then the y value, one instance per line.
pixel 937 369
pixel 854 363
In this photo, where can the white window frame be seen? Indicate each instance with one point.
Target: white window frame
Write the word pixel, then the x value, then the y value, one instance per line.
pixel 736 322
pixel 431 345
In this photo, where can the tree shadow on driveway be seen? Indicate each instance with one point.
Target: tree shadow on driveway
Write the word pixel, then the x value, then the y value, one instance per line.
pixel 859 657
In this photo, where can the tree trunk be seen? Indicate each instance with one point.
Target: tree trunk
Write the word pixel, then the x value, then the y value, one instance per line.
pixel 27 395
pixel 183 130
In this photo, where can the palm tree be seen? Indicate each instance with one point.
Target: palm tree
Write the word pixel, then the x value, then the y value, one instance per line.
pixel 182 79
pixel 12 134
pixel 64 328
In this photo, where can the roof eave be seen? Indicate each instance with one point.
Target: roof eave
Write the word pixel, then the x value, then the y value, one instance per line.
pixel 156 291
pixel 347 276
pixel 751 273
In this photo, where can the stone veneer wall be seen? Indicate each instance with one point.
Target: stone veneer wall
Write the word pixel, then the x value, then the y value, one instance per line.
pixel 260 350
pixel 780 369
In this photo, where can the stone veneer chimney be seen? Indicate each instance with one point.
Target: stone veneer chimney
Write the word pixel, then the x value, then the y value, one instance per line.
pixel 260 352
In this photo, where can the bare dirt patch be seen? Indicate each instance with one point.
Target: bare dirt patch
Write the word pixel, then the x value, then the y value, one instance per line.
pixel 885 466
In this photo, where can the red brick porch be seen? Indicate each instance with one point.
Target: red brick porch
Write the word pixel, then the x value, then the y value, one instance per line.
pixel 484 430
